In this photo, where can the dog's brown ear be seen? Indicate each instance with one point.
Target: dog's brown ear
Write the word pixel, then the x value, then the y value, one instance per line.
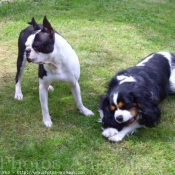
pixel 34 24
pixel 47 27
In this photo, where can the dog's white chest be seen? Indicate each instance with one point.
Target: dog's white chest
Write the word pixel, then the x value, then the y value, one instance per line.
pixel 64 64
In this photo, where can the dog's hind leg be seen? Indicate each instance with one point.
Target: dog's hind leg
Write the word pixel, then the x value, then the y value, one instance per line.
pixel 20 68
pixel 50 88
pixel 76 92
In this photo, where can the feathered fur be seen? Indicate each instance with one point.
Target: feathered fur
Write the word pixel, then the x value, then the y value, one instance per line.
pixel 134 94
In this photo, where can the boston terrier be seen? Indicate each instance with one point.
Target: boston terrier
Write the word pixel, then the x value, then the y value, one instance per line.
pixel 41 44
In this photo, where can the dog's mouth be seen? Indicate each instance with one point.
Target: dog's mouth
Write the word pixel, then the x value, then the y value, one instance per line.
pixel 33 61
pixel 29 60
pixel 131 120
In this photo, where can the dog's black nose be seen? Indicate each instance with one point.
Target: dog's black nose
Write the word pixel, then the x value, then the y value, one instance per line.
pixel 119 118
pixel 28 52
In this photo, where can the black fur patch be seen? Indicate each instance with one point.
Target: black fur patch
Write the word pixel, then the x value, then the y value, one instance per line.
pixel 151 86
pixel 41 71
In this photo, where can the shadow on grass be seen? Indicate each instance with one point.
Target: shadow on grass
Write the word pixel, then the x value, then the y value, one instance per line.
pixel 141 16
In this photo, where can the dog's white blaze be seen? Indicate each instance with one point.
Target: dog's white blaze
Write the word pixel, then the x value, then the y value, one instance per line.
pixel 115 98
pixel 124 113
pixel 142 63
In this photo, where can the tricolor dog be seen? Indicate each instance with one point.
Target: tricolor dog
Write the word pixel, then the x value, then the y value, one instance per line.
pixel 134 94
pixel 58 62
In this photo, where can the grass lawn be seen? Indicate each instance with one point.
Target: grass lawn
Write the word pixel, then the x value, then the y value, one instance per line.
pixel 107 35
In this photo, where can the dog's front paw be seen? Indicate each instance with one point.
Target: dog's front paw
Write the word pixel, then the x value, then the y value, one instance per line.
pixel 50 88
pixel 109 132
pixel 86 111
pixel 47 120
pixel 115 138
pixel 18 96
pixel 48 123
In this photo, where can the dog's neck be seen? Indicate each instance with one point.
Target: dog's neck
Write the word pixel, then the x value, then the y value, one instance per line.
pixel 61 53
pixel 59 57
pixel 52 64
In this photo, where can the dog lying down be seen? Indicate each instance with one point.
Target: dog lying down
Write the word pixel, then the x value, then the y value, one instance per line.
pixel 41 44
pixel 133 96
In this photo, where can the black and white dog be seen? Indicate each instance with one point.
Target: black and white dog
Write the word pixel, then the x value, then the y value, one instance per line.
pixel 42 45
pixel 133 96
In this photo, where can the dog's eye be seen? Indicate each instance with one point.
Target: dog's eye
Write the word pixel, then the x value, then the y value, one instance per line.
pixel 38 48
pixel 112 108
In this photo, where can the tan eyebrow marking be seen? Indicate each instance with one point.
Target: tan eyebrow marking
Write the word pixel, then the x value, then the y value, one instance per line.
pixel 112 108
pixel 120 104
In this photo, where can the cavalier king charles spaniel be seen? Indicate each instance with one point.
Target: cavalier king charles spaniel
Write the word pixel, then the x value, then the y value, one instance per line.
pixel 133 96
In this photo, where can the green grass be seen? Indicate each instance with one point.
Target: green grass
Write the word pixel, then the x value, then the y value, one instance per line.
pixel 108 35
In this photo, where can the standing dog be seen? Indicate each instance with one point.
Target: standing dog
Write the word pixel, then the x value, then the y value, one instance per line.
pixel 133 95
pixel 42 45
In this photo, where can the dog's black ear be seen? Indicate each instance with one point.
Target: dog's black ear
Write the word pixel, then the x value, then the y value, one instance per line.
pixel 104 102
pixel 112 84
pixel 47 27
pixel 34 24
pixel 147 105
pixel 150 115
